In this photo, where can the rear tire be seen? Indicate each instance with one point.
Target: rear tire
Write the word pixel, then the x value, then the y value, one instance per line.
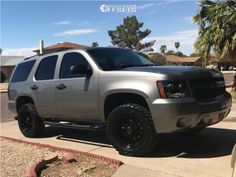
pixel 30 124
pixel 130 130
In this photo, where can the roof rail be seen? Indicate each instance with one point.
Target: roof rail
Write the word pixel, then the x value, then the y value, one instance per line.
pixel 29 57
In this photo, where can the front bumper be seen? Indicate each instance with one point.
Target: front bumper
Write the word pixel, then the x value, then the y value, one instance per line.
pixel 171 115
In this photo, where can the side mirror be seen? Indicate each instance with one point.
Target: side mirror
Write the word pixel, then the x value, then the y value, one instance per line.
pixel 81 69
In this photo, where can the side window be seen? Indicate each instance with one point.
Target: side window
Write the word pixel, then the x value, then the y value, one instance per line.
pixel 22 71
pixel 46 68
pixel 70 59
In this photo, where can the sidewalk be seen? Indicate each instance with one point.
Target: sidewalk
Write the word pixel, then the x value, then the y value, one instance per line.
pixel 3 87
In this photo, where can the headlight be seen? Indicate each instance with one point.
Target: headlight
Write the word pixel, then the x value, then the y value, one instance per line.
pixel 173 89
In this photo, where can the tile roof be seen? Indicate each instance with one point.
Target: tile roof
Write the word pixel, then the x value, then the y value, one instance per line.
pixel 176 59
pixel 61 46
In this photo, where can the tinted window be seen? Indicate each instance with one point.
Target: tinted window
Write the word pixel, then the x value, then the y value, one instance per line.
pixel 116 58
pixel 22 71
pixel 46 68
pixel 69 60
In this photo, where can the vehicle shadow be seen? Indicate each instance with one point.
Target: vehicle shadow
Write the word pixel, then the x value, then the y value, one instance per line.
pixel 212 142
pixel 97 138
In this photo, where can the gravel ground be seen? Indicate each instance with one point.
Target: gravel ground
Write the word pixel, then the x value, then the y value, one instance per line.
pixel 17 158
pixel 83 167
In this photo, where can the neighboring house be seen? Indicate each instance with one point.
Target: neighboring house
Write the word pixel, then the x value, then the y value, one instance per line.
pixel 188 61
pixel 60 46
pixel 7 64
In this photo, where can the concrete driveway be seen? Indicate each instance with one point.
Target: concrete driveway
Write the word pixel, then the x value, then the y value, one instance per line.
pixel 205 155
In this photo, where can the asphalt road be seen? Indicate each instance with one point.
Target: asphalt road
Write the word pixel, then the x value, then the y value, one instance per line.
pixel 6 115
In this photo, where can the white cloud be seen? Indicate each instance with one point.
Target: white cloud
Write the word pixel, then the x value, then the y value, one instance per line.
pixel 186 39
pixel 76 32
pixel 145 6
pixel 61 23
pixel 187 19
pixel 26 52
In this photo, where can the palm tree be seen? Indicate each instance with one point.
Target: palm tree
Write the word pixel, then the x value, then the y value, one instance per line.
pixel 163 49
pixel 177 44
pixel 217 29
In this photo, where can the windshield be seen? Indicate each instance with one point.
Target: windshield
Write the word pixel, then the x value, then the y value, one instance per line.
pixel 115 58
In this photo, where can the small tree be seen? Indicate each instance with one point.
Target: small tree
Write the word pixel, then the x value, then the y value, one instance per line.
pixel 129 35
pixel 194 55
pixel 163 49
pixel 179 54
pixel 177 45
pixel 170 52
pixel 94 44
pixel 157 58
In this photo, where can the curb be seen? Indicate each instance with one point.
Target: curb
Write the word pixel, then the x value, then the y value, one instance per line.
pixel 108 160
pixel 3 91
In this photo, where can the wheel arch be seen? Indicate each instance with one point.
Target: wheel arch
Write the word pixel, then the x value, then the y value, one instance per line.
pixel 23 100
pixel 114 99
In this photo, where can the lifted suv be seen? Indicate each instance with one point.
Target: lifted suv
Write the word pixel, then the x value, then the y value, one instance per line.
pixel 116 90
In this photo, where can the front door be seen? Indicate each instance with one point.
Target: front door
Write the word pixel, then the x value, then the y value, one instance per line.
pixel 76 95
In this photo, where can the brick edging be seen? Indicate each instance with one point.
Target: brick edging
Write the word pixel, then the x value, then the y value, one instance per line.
pixel 39 165
pixel 108 160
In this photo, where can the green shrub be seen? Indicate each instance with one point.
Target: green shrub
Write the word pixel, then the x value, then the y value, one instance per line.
pixel 233 95
pixel 157 58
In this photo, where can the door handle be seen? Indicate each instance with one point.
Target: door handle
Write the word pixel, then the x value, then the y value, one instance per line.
pixel 34 87
pixel 61 87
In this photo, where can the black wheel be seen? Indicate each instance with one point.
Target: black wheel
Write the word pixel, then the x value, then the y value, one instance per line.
pixel 193 131
pixel 30 124
pixel 130 130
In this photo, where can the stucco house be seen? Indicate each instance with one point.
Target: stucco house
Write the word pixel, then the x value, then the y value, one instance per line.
pixel 7 64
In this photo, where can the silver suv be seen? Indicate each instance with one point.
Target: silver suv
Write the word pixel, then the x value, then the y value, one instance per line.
pixel 116 90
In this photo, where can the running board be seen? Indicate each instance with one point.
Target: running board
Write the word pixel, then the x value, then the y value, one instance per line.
pixel 92 126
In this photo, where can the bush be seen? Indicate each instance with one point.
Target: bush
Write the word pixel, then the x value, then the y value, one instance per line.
pixel 157 58
pixel 233 95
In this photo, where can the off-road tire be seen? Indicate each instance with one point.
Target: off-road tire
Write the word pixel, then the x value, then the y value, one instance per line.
pixel 30 124
pixel 139 114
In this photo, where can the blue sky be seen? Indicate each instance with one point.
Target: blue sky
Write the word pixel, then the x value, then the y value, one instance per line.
pixel 24 23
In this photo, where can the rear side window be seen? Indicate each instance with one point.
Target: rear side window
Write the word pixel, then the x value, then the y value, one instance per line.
pixel 46 68
pixel 22 71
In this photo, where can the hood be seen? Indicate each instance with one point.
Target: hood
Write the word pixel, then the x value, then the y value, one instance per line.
pixel 178 71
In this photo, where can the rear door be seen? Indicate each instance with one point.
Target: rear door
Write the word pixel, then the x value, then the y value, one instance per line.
pixel 43 85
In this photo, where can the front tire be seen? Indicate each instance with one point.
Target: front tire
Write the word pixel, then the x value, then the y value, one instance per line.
pixel 30 124
pixel 130 130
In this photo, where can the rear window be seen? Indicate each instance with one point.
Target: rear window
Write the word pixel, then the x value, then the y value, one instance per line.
pixel 46 68
pixel 22 71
